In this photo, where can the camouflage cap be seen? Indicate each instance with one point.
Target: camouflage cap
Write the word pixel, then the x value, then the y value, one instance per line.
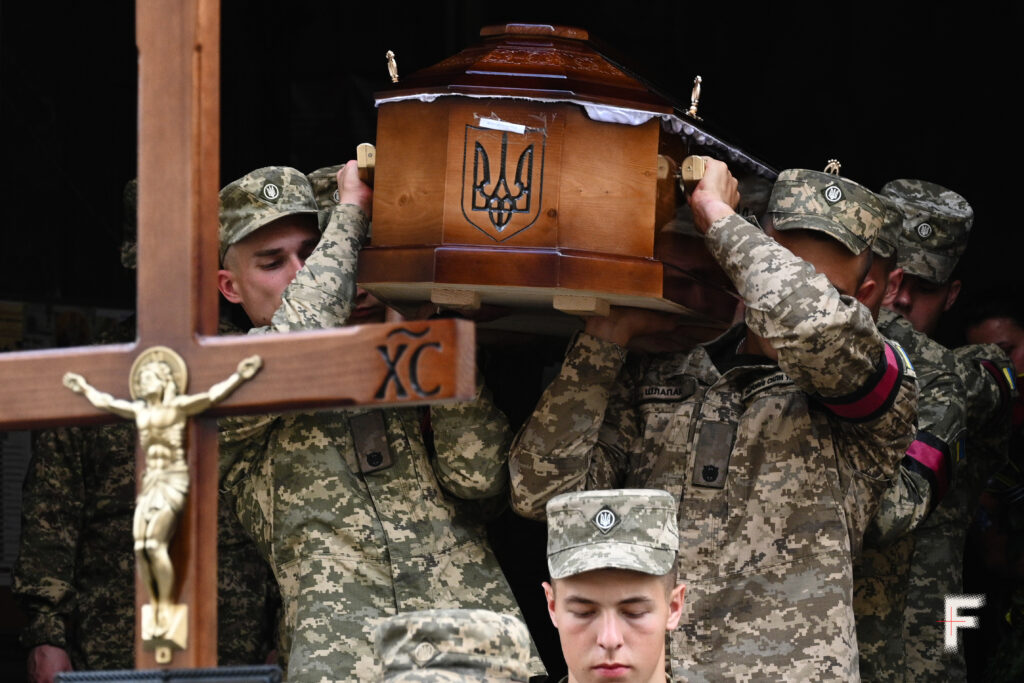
pixel 936 223
pixel 453 645
pixel 259 198
pixel 837 206
pixel 888 235
pixel 614 529
pixel 324 182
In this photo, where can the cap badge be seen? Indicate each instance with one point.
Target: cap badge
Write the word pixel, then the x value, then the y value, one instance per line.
pixel 605 519
pixel 423 653
pixel 924 230
pixel 271 191
pixel 832 194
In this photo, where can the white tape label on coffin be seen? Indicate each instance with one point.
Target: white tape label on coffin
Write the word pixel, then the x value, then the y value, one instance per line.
pixel 497 124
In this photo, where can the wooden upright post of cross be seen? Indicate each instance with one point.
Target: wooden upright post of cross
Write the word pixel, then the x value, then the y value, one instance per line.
pixel 178 172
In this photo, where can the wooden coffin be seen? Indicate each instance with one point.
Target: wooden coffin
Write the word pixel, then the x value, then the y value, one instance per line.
pixel 524 172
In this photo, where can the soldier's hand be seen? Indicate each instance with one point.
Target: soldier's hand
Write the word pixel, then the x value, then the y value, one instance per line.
pixel 624 322
pixel 352 190
pixel 45 662
pixel 717 195
pixel 248 367
pixel 74 382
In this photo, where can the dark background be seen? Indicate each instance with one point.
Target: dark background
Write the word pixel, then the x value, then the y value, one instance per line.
pixel 892 90
pixel 918 90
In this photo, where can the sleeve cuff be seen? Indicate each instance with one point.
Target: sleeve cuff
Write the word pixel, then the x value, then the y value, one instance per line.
pixel 44 629
pixel 595 359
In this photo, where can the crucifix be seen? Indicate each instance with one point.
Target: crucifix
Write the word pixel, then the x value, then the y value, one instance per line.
pixel 178 170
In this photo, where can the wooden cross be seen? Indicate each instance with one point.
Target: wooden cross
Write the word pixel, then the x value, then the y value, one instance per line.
pixel 178 170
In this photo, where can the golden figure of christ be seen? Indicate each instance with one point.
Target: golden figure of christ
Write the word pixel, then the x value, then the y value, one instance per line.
pixel 161 411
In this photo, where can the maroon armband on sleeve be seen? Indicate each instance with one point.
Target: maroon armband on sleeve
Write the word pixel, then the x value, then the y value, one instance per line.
pixel 878 393
pixel 932 458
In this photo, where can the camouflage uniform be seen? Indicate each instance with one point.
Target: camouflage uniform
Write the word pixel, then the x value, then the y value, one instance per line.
pixel 453 645
pixel 776 468
pixel 76 568
pixel 936 223
pixel 347 547
pixel 882 571
pixel 936 568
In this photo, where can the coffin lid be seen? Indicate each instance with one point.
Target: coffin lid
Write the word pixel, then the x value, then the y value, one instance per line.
pixel 545 63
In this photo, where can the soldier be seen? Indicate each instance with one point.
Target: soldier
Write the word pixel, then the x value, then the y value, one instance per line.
pixel 881 572
pixel 75 569
pixel 936 224
pixel 927 253
pixel 613 593
pixel 1000 321
pixel 995 539
pixel 453 645
pixel 776 439
pixel 351 538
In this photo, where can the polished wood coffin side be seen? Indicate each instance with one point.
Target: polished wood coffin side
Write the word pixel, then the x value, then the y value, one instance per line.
pixel 424 267
pixel 589 224
pixel 594 184
pixel 409 180
pixel 609 186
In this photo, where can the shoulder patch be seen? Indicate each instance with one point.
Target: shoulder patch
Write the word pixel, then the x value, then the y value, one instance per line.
pixel 903 355
pixel 1010 379
pixel 1001 373
pixel 771 380
pixel 958 453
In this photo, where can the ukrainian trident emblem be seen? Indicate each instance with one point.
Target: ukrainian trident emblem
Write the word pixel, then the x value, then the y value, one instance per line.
pixel 502 179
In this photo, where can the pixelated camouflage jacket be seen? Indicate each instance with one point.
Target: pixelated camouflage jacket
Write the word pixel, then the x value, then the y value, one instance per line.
pixel 75 573
pixel 882 570
pixel 937 556
pixel 350 548
pixel 988 377
pixel 777 468
pixel 458 645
